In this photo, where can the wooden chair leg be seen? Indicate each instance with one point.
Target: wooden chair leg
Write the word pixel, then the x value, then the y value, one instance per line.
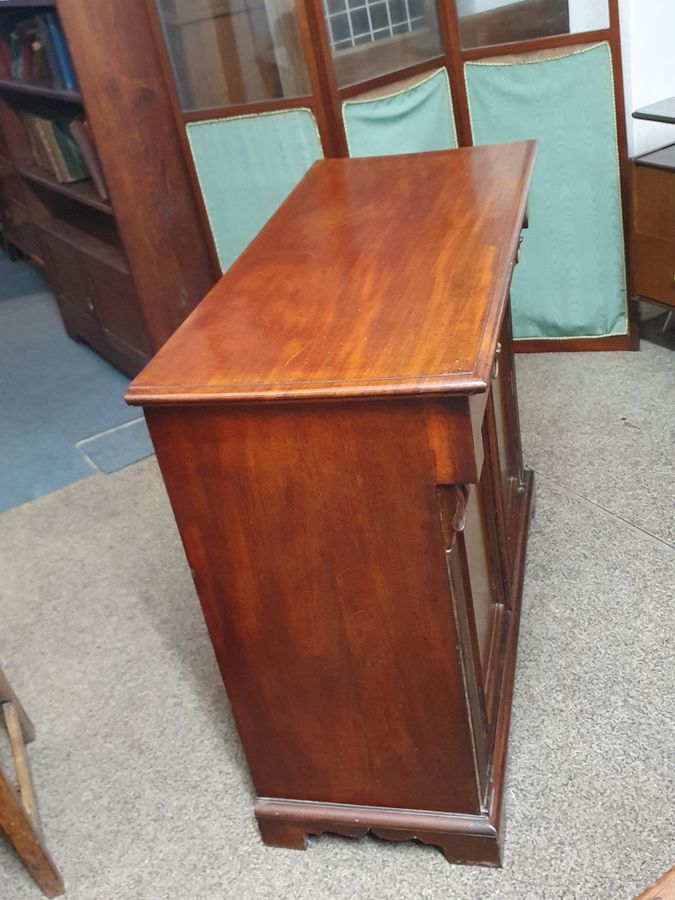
pixel 7 695
pixel 19 817
pixel 27 841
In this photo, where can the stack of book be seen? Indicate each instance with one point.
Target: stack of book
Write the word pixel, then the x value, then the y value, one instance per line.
pixel 65 148
pixel 34 50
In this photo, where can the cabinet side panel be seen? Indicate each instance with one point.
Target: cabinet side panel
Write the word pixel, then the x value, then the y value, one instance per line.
pixel 314 536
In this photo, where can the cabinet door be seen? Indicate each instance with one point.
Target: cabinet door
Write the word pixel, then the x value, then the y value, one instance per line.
pixel 477 585
pixel 503 444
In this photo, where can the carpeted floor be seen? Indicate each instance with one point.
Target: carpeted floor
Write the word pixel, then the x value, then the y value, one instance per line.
pixel 62 410
pixel 142 783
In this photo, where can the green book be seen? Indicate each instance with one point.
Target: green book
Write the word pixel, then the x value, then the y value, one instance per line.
pixel 73 164
pixel 16 54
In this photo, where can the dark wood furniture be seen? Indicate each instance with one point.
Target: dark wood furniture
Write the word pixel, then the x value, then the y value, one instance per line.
pixel 337 428
pixel 207 74
pixel 125 272
pixel 653 220
pixel 19 817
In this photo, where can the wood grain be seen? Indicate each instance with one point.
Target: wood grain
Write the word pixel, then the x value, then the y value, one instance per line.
pixel 663 889
pixel 375 277
pixel 653 232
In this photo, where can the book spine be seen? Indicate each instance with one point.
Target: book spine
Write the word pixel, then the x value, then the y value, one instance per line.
pixel 56 165
pixel 16 55
pixel 5 59
pixel 69 152
pixel 52 59
pixel 65 64
pixel 81 136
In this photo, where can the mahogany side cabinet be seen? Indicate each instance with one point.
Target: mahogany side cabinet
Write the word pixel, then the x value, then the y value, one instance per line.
pixel 337 428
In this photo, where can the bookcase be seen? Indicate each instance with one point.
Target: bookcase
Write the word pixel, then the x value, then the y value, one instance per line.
pixel 124 252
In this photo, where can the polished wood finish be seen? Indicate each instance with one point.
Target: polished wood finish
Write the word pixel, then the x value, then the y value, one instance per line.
pixel 653 231
pixel 445 342
pixel 337 429
pixel 631 341
pixel 19 818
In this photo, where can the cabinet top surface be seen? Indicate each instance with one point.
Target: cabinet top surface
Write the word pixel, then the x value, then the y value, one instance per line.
pixel 380 276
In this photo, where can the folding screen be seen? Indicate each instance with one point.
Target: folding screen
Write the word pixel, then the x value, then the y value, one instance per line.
pixel 571 279
pixel 413 119
pixel 383 77
pixel 246 167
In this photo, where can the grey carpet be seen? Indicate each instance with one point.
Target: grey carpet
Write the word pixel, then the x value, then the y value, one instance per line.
pixel 142 784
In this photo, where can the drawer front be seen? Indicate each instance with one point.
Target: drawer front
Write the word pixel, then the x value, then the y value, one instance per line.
pixel 502 437
pixel 654 267
pixel 118 309
pixel 654 202
pixel 65 273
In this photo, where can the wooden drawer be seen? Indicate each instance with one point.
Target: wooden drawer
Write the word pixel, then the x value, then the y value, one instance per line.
pixel 118 309
pixel 654 202
pixel 654 267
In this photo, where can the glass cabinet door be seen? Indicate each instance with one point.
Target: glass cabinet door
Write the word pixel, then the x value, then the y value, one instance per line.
pixel 486 22
pixel 227 52
pixel 374 37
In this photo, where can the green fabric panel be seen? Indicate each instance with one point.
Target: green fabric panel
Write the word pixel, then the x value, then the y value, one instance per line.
pixel 415 120
pixel 571 278
pixel 246 167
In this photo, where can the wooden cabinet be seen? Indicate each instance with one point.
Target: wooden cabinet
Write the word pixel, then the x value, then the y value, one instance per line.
pixel 96 295
pixel 337 431
pixel 653 234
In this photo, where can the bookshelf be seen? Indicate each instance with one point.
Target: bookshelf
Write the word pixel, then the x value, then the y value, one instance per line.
pixel 77 190
pixel 38 90
pixel 124 251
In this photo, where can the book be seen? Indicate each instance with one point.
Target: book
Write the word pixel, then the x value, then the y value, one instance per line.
pixel 52 59
pixel 69 156
pixel 33 140
pixel 48 141
pixel 61 49
pixel 41 71
pixel 54 148
pixel 82 136
pixel 16 55
pixel 5 59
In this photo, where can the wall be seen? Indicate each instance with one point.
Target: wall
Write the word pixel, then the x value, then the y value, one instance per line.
pixel 588 15
pixel 647 32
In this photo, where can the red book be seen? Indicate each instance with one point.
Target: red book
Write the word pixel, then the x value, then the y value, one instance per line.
pixel 5 60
